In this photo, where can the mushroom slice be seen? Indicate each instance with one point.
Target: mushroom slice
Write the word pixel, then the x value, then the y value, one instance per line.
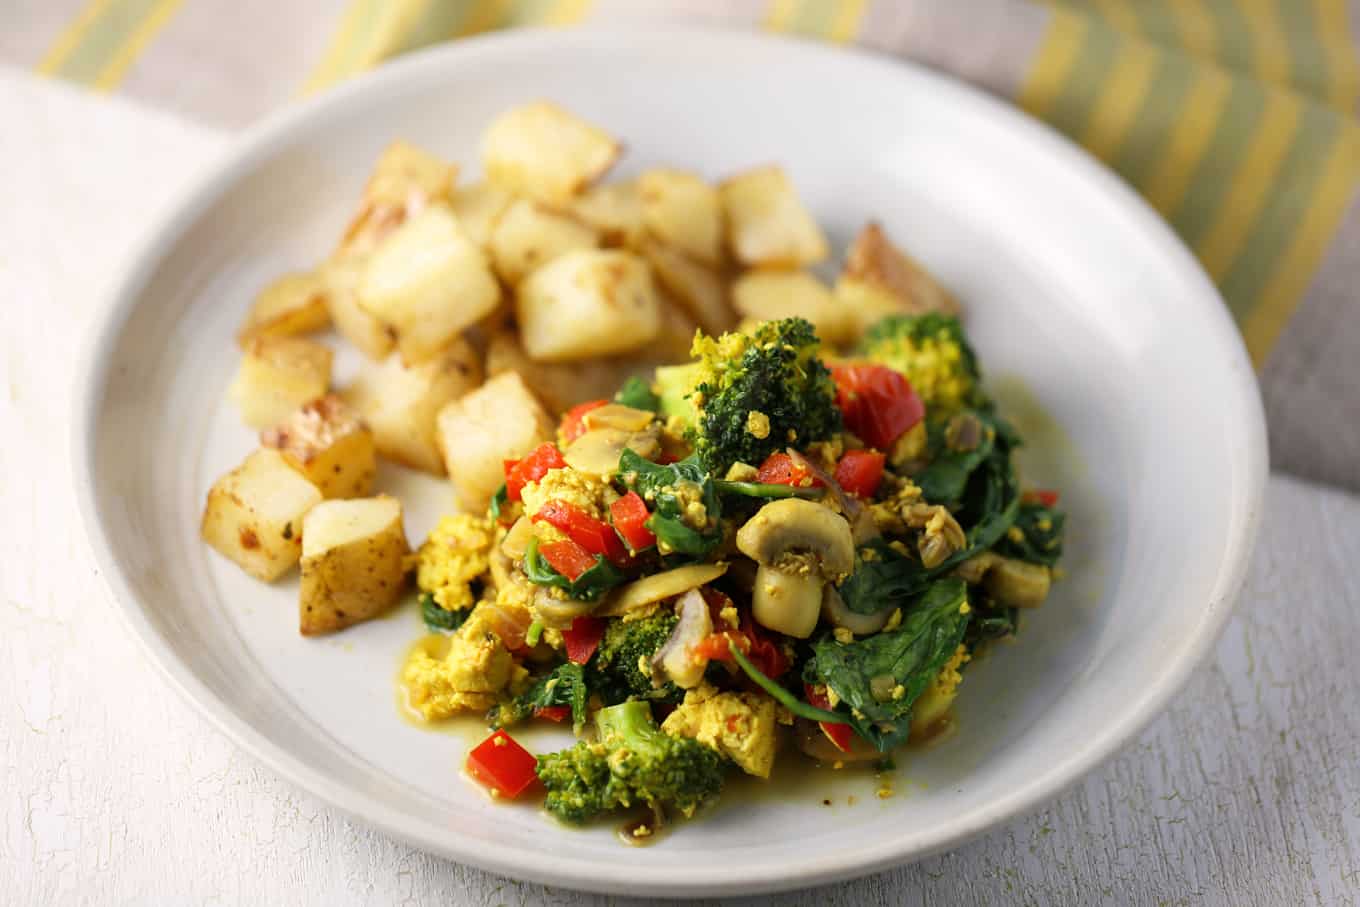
pixel 675 660
pixel 787 603
pixel 838 615
pixel 794 525
pixel 1018 584
pixel 658 587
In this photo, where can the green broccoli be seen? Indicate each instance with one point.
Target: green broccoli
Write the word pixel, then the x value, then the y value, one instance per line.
pixel 632 764
pixel 933 352
pixel 755 394
pixel 616 674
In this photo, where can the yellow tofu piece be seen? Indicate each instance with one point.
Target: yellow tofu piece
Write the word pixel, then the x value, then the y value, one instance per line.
pixel 741 726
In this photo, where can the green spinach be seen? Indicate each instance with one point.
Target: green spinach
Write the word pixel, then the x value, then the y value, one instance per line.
pixel 668 491
pixel 587 587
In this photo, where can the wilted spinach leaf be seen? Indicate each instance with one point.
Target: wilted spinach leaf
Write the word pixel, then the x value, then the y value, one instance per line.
pixel 668 491
pixel 587 587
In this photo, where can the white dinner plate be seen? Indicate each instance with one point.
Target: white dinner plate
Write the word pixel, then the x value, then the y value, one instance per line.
pixel 1097 330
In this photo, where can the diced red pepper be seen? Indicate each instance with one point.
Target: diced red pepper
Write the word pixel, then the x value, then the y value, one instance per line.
pixel 582 638
pixel 780 469
pixel 567 558
pixel 877 402
pixel 859 472
pixel 554 713
pixel 503 765
pixel 1041 496
pixel 594 535
pixel 630 519
pixel 763 653
pixel 839 734
pixel 666 458
pixel 573 421
pixel 535 466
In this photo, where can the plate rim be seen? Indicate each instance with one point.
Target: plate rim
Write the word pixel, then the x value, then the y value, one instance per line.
pixel 219 173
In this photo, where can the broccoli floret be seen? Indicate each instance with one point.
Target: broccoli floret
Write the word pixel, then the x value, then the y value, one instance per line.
pixel 758 393
pixel 632 764
pixel 934 354
pixel 616 673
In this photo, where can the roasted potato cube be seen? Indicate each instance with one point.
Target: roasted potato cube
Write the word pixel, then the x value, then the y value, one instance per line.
pixel 614 210
pixel 771 295
pixel 880 279
pixel 683 211
pixel 528 236
pixel 767 224
pixel 340 277
pixel 546 153
pixel 254 514
pixel 277 375
pixel 591 302
pixel 293 304
pixel 428 282
pixel 499 421
pixel 400 402
pixel 477 208
pixel 353 569
pixel 562 385
pixel 404 181
pixel 676 337
pixel 696 287
pixel 330 445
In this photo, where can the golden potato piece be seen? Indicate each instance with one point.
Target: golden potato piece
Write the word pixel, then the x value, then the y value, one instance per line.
pixel 771 295
pixel 880 279
pixel 277 375
pixel 767 224
pixel 499 421
pixel 546 153
pixel 696 287
pixel 561 385
pixel 399 402
pixel 353 569
pixel 683 211
pixel 293 304
pixel 614 210
pixel 591 302
pixel 340 279
pixel 477 208
pixel 528 236
pixel 329 445
pixel 404 181
pixel 428 282
pixel 254 514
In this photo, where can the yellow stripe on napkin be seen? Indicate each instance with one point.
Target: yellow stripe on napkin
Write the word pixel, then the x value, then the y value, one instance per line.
pixel 105 40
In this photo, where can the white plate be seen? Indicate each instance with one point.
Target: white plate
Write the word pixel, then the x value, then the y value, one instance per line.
pixel 1078 297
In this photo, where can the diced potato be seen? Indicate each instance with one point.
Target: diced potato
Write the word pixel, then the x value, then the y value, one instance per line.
pixel 353 563
pixel 477 208
pixel 330 445
pixel 369 334
pixel 880 279
pixel 562 385
pixel 682 210
pixel 770 295
pixel 293 304
pixel 277 375
pixel 546 153
pixel 400 403
pixel 592 302
pixel 676 337
pixel 767 224
pixel 613 209
pixel 254 514
pixel 428 282
pixel 528 235
pixel 499 421
pixel 696 287
pixel 404 181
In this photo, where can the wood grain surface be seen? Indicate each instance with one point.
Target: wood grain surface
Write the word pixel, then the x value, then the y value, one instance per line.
pixel 1246 792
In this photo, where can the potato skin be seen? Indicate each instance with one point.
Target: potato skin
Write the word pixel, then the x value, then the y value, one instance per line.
pixel 354 581
pixel 329 445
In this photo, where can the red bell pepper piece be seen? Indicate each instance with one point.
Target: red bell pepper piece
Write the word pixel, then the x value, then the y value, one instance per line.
pixel 567 558
pixel 859 472
pixel 535 466
pixel 630 519
pixel 594 535
pixel 840 735
pixel 554 713
pixel 573 421
pixel 780 469
pixel 877 402
pixel 1041 496
pixel 502 765
pixel 582 638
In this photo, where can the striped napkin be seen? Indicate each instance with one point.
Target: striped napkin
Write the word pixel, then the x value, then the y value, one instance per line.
pixel 1234 118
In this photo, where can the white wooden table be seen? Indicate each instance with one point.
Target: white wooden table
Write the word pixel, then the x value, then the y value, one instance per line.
pixel 114 791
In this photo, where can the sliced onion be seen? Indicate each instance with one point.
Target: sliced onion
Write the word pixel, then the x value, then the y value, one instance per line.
pixel 675 659
pixel 836 613
pixel 862 526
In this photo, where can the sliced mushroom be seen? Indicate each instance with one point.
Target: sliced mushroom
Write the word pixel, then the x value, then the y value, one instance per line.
pixel 835 612
pixel 616 415
pixel 1018 584
pixel 793 526
pixel 787 603
pixel 597 452
pixel 658 587
pixel 559 612
pixel 975 568
pixel 517 538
